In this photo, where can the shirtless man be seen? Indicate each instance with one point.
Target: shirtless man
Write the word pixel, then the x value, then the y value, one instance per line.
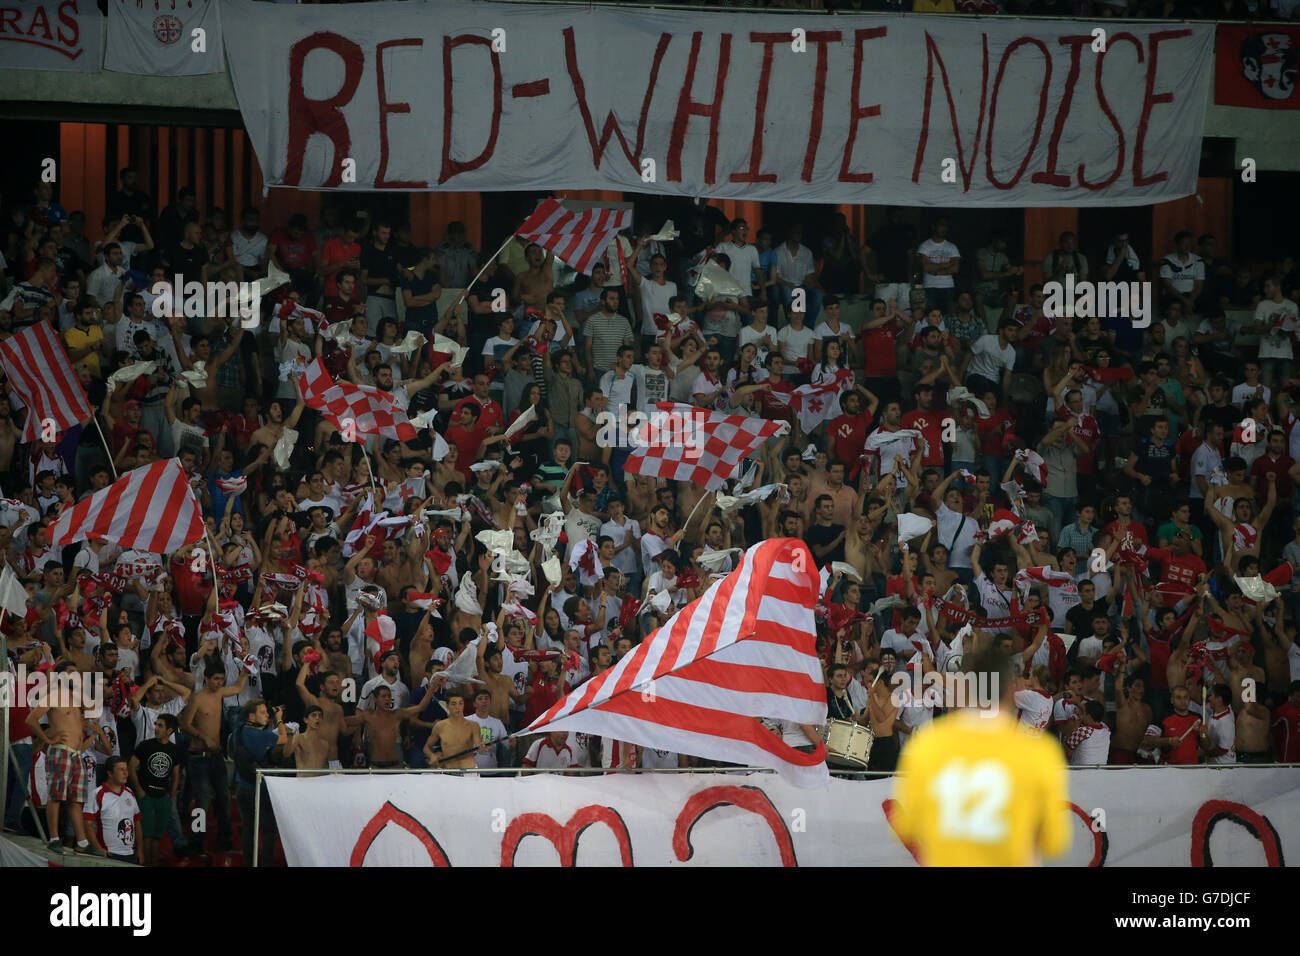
pixel 70 781
pixel 270 433
pixel 331 724
pixel 331 650
pixel 201 719
pixel 1243 673
pixel 74 651
pixel 534 283
pixel 456 734
pixel 1132 715
pixel 502 688
pixel 309 748
pixel 1251 738
pixel 383 726
pixel 882 713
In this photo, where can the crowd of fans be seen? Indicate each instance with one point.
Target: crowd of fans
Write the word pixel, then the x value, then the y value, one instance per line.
pixel 1130 484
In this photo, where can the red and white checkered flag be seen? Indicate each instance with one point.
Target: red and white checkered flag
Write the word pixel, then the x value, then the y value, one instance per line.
pixel 150 509
pixel 371 410
pixel 744 650
pixel 41 374
pixel 687 443
pixel 578 239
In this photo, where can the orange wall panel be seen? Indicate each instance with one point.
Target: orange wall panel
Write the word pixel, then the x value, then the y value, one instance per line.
pixel 1043 228
pixel 1210 210
pixel 430 213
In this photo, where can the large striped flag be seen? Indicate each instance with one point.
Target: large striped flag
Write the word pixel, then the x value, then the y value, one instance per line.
pixel 578 239
pixel 150 509
pixel 371 411
pixel 742 651
pixel 43 377
pixel 688 443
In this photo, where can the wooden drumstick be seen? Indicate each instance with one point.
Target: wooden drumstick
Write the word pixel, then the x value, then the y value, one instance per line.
pixel 1188 731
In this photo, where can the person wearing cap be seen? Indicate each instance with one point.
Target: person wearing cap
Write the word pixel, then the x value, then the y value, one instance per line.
pixel 389 677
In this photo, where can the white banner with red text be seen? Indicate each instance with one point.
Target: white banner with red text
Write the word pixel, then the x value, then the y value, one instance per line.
pixel 1140 816
pixel 64 35
pixel 848 109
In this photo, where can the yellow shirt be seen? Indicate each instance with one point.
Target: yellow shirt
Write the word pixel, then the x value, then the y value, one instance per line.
pixel 976 791
pixel 78 339
pixel 933 6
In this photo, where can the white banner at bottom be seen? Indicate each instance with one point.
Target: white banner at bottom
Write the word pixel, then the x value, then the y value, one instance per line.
pixel 1235 816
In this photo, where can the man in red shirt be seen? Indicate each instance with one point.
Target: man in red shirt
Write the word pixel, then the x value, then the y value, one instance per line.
pixel 1085 426
pixel 1182 568
pixel 847 435
pixel 467 435
pixel 343 252
pixel 1124 524
pixel 880 359
pixel 295 251
pixel 490 416
pixel 776 402
pixel 1277 462
pixel 991 432
pixel 1181 730
pixel 1286 727
pixel 929 422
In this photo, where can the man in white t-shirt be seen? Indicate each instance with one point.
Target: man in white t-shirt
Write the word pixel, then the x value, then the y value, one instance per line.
pixel 906 640
pixel 625 532
pixel 793 268
pixel 992 359
pixel 552 752
pixel 114 815
pixel 655 294
pixel 1219 736
pixel 940 262
pixel 1089 742
pixel 1182 272
pixel 1205 461
pixel 390 667
pixel 1033 702
pixel 795 340
pixel 102 283
pixel 1275 323
pixel 491 729
pixel 742 254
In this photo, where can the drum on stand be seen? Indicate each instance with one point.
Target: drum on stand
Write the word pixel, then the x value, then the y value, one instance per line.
pixel 847 744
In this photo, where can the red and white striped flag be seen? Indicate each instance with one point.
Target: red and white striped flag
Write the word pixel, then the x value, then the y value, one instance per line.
pixel 150 509
pixel 381 633
pixel 44 379
pixel 577 239
pixel 744 650
pixel 370 410
pixel 688 443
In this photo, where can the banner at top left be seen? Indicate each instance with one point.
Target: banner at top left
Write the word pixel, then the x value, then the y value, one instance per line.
pixel 65 35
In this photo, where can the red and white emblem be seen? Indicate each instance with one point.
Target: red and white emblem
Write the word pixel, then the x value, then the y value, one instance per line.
pixel 167 28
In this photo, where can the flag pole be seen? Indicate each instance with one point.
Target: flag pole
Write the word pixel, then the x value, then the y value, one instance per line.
pixel 100 428
pixel 465 291
pixel 374 485
pixel 5 706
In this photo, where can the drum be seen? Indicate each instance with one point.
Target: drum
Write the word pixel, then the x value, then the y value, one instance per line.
pixel 847 744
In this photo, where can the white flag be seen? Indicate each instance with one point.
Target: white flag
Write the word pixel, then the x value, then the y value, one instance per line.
pixel 13 596
pixel 164 37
